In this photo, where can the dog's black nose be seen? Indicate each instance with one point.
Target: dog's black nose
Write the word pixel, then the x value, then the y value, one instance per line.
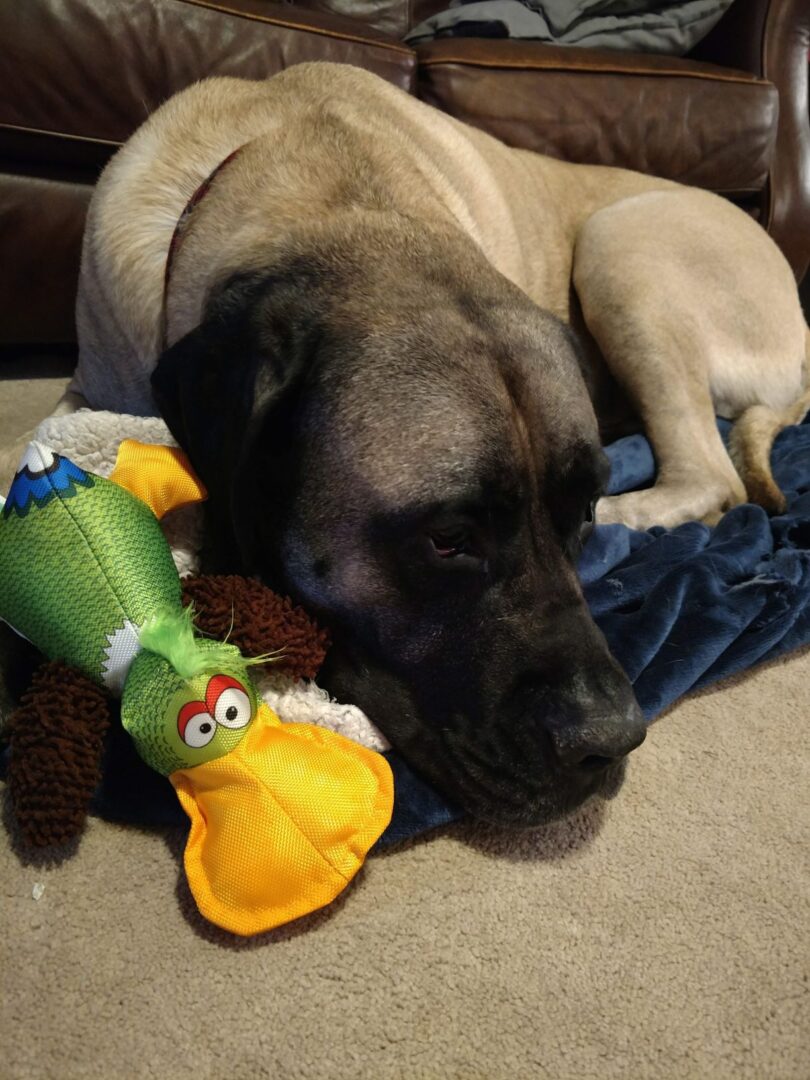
pixel 599 721
pixel 592 741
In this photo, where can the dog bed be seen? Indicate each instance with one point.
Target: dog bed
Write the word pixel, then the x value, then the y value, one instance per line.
pixel 680 608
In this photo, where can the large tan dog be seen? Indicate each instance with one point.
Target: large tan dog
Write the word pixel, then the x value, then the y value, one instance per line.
pixel 370 362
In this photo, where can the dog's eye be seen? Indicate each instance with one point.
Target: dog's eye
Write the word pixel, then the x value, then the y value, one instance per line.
pixel 457 548
pixel 449 545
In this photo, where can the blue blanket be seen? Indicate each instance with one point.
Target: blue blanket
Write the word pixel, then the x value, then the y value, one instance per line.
pixel 680 609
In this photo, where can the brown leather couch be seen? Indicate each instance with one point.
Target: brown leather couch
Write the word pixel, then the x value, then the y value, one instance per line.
pixel 78 76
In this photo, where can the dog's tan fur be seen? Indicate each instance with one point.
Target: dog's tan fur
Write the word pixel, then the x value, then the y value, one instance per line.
pixel 692 307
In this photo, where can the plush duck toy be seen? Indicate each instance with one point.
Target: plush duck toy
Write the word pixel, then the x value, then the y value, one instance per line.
pixel 282 815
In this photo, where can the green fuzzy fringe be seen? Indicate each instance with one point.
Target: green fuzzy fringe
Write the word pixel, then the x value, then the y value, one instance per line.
pixel 170 634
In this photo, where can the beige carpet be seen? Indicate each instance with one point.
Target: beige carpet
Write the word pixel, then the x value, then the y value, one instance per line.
pixel 665 934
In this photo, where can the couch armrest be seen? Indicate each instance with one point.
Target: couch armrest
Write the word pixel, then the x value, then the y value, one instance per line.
pixel 771 38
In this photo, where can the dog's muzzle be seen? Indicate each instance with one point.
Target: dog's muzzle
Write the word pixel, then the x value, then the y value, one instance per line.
pixel 549 750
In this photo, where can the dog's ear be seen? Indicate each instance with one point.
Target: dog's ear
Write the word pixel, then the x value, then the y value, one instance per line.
pixel 237 375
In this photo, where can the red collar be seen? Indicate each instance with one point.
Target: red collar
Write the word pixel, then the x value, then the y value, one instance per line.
pixel 182 224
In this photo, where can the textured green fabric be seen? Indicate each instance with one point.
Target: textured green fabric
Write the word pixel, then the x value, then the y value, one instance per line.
pixel 82 568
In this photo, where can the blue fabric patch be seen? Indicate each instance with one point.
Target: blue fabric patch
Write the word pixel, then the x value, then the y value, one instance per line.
pixel 36 489
pixel 680 609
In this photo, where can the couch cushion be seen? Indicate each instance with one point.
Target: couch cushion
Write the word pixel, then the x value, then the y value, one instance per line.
pixel 78 76
pixel 388 16
pixel 88 71
pixel 697 123
pixel 394 17
pixel 41 224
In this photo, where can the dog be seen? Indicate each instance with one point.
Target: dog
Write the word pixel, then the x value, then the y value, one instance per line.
pixel 392 347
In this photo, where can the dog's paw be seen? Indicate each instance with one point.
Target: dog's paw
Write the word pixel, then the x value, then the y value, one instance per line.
pixel 670 505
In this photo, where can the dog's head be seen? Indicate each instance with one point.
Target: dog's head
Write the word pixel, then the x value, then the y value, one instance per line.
pixel 416 460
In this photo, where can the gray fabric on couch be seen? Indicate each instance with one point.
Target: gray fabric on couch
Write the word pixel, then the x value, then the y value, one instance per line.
pixel 651 26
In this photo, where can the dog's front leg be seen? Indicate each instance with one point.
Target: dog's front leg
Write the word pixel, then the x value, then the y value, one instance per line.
pixel 660 370
pixel 659 311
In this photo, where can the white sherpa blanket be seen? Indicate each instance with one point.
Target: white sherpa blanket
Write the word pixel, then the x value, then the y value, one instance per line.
pixel 91 440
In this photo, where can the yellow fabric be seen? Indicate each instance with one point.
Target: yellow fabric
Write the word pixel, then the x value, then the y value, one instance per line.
pixel 161 476
pixel 282 823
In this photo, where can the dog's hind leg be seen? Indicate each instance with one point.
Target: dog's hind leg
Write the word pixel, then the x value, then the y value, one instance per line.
pixel 752 438
pixel 696 313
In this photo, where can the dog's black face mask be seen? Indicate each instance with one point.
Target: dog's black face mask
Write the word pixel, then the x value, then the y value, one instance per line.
pixel 424 489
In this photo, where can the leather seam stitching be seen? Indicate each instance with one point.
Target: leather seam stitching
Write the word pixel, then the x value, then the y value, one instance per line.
pixel 572 69
pixel 4 126
pixel 251 17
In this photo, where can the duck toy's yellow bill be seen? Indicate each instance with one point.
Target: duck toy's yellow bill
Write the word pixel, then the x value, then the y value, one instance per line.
pixel 281 824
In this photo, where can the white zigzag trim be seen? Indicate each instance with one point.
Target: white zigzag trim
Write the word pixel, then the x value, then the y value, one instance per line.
pixel 122 649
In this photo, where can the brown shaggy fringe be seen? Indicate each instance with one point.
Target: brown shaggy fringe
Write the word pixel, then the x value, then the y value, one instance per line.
pixel 56 744
pixel 257 621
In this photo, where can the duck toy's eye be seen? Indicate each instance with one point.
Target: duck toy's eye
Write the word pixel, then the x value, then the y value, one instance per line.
pixel 196 725
pixel 227 701
pixel 227 704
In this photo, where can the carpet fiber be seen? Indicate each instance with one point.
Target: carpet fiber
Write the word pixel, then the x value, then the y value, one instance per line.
pixel 664 934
